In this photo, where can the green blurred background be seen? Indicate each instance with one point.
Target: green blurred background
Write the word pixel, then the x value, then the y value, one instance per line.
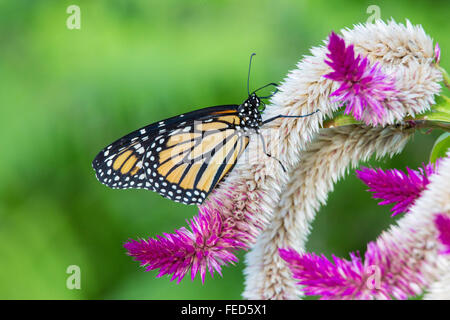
pixel 65 94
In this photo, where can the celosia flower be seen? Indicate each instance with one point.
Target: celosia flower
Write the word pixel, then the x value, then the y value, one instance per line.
pixel 364 88
pixel 324 161
pixel 395 186
pixel 403 50
pixel 375 278
pixel 442 222
pixel 208 246
pixel 402 262
pixel 340 278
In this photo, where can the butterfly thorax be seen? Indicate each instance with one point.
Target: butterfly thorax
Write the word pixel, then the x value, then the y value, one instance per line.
pixel 249 114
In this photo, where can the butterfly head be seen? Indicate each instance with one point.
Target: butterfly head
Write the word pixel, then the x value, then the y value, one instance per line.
pixel 249 112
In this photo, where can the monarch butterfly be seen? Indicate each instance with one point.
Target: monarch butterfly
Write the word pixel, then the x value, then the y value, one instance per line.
pixel 184 157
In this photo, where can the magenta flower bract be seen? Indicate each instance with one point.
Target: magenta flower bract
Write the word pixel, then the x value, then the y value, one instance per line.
pixel 363 88
pixel 442 222
pixel 437 53
pixel 375 278
pixel 395 186
pixel 208 246
pixel 322 277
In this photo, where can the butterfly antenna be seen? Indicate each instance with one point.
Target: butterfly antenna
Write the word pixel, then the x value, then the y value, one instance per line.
pixel 248 76
pixel 283 116
pixel 273 93
pixel 269 155
pixel 269 84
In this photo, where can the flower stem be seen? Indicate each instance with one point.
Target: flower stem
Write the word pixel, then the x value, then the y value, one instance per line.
pixel 437 118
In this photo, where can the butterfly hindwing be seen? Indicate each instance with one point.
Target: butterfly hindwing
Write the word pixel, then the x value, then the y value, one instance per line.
pixel 182 158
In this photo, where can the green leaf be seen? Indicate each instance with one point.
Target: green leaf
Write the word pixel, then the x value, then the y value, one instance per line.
pixel 440 147
pixel 439 112
pixel 340 120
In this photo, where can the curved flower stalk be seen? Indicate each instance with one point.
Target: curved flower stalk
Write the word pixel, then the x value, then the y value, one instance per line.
pixel 324 162
pixel 404 261
pixel 339 279
pixel 395 186
pixel 250 194
pixel 405 51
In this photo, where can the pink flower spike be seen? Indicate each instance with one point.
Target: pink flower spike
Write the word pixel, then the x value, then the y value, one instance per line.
pixel 340 279
pixel 383 274
pixel 437 53
pixel 442 222
pixel 395 186
pixel 207 247
pixel 364 88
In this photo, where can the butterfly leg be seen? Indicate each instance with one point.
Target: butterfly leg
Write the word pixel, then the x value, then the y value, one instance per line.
pixel 268 154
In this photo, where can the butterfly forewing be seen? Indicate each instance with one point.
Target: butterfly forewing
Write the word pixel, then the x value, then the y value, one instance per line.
pixel 182 158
